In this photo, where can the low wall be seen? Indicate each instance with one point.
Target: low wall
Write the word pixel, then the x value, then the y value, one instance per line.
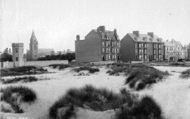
pixel 33 63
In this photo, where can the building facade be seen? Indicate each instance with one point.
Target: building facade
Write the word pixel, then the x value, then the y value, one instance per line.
pixel 185 52
pixel 188 52
pixel 18 54
pixel 32 54
pixel 173 50
pixel 42 52
pixel 141 47
pixel 99 45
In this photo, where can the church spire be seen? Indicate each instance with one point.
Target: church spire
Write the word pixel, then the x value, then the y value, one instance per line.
pixel 33 37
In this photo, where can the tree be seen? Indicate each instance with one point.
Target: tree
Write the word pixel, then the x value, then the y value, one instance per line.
pixel 5 57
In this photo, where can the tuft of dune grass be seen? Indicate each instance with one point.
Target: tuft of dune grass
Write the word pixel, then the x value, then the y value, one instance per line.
pixel 87 68
pixel 16 95
pixel 144 75
pixel 185 74
pixel 147 108
pixel 25 79
pixel 24 70
pixel 90 98
pixel 59 66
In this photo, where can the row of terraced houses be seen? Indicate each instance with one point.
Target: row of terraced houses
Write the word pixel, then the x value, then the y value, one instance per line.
pixel 104 45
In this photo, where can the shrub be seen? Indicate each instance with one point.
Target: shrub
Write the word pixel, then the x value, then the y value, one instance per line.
pixel 90 69
pixel 185 74
pixel 89 97
pixel 15 95
pixel 117 68
pixel 59 66
pixel 20 79
pixel 177 64
pixel 147 108
pixel 22 71
pixel 144 75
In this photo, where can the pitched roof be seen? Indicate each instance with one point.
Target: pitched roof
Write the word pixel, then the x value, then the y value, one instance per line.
pixel 145 38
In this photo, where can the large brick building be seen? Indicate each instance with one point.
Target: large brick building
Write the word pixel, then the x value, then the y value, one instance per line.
pixel 99 45
pixel 141 47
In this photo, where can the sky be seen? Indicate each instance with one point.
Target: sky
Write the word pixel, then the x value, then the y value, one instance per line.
pixel 57 22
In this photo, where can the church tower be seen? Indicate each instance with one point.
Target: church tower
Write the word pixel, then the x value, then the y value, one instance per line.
pixel 33 47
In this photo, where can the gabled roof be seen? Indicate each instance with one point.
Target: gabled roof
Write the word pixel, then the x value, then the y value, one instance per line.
pixel 145 38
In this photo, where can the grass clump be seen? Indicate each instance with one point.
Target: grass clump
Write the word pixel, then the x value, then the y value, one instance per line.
pixel 86 68
pixel 24 70
pixel 59 66
pixel 185 74
pixel 16 95
pixel 141 75
pixel 147 108
pixel 20 79
pixel 90 98
pixel 138 75
pixel 178 64
pixel 117 68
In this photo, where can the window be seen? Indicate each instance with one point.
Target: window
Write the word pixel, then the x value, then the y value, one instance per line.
pixel 117 50
pixel 113 57
pixel 160 46
pixel 140 45
pixel 145 57
pixel 136 51
pixel 145 45
pixel 140 57
pixel 160 57
pixel 108 57
pixel 155 57
pixel 103 50
pixel 107 43
pixel 16 58
pixel 113 44
pixel 16 50
pixel 107 50
pixel 154 51
pixel 140 51
pixel 145 51
pixel 103 44
pixel 113 50
pixel 118 44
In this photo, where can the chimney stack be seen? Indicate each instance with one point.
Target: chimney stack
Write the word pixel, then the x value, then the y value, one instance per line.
pixel 101 29
pixel 78 37
pixel 136 33
pixel 151 34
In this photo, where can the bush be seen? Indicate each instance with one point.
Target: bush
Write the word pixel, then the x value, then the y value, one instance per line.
pixel 59 66
pixel 20 79
pixel 89 97
pixel 185 74
pixel 143 75
pixel 177 64
pixel 117 68
pixel 16 95
pixel 90 69
pixel 5 57
pixel 147 108
pixel 22 71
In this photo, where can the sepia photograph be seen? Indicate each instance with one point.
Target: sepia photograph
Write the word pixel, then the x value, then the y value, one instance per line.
pixel 94 59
